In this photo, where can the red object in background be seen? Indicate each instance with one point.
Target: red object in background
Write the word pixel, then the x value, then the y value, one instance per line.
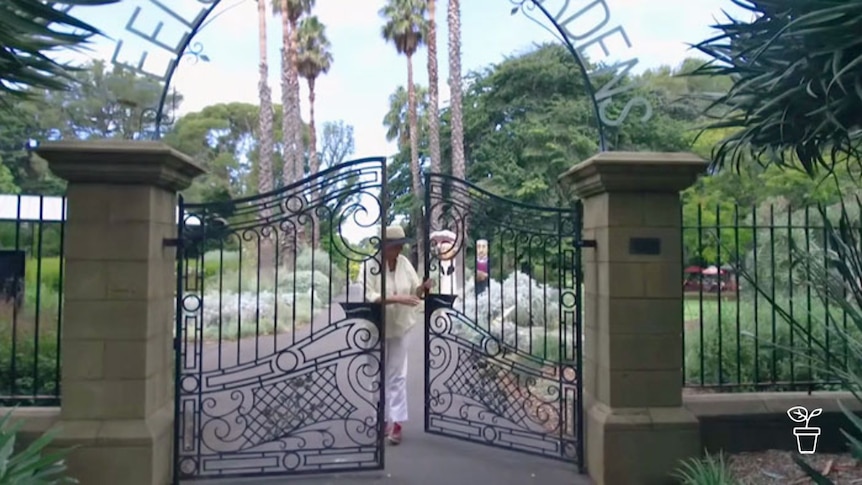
pixel 709 280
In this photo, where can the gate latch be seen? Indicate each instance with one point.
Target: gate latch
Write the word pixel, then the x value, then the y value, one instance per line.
pixel 585 243
pixel 170 242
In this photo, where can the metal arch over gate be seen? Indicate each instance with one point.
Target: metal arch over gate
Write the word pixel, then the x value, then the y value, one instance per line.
pixel 279 380
pixel 158 35
pixel 503 328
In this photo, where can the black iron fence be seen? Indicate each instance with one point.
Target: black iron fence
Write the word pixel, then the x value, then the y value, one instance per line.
pixel 31 285
pixel 751 320
pixel 741 281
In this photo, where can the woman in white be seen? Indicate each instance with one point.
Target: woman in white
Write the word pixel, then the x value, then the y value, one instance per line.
pixel 404 293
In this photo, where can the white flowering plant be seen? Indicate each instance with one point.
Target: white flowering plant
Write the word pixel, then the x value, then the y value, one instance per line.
pixel 523 313
pixel 242 300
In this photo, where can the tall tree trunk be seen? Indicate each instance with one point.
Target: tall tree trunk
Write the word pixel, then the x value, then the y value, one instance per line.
pixel 265 147
pixel 288 153
pixel 314 164
pixel 293 80
pixel 296 120
pixel 414 161
pixel 453 18
pixel 433 101
pixel 289 238
pixel 455 95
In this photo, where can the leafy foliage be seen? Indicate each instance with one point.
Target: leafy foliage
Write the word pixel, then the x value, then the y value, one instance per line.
pixel 29 31
pixel 528 118
pixel 834 276
pixel 314 51
pixel 796 98
pixel 710 470
pixel 531 325
pixel 101 103
pixel 405 25
pixel 240 302
pixel 31 466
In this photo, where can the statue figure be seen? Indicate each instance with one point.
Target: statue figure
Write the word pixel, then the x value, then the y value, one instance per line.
pixel 443 247
pixel 483 266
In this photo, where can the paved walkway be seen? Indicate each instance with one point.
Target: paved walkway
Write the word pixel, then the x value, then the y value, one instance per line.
pixel 424 459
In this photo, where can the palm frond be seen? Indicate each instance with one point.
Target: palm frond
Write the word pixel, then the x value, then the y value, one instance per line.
pixel 797 93
pixel 406 24
pixel 29 32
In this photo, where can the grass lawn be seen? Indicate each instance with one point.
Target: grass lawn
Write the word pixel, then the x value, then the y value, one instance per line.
pixel 694 308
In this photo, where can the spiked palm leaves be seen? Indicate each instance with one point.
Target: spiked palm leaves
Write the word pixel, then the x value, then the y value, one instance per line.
pixel 797 96
pixel 29 31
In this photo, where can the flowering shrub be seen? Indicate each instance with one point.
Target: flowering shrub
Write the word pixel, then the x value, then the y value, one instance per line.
pixel 320 262
pixel 249 303
pixel 230 315
pixel 519 299
pixel 520 311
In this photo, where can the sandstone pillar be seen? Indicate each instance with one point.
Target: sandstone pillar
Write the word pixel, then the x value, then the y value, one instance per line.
pixel 117 359
pixel 636 427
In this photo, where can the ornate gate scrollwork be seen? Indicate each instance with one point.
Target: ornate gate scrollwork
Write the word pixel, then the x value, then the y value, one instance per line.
pixel 278 358
pixel 504 342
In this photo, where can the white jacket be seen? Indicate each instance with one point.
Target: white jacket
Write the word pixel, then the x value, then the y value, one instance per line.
pixel 403 281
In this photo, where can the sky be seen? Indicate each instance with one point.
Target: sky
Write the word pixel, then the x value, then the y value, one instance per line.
pixel 366 70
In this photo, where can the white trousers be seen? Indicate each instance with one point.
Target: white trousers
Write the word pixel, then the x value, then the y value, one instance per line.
pixel 395 373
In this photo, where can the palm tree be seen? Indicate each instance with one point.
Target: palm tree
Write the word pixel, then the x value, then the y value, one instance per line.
pixel 456 116
pixel 433 113
pixel 30 32
pixel 265 122
pixel 396 120
pixel 294 159
pixel 314 57
pixel 294 156
pixel 455 95
pixel 266 147
pixel 406 27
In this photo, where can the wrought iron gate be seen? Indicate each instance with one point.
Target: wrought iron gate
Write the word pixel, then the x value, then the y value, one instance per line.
pixel 273 377
pixel 503 328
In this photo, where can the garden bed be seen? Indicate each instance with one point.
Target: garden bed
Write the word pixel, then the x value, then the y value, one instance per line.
pixel 778 467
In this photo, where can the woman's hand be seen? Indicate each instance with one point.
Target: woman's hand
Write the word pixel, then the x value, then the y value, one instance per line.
pixel 428 284
pixel 409 300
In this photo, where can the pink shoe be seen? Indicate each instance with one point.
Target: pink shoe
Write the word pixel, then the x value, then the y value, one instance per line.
pixel 393 434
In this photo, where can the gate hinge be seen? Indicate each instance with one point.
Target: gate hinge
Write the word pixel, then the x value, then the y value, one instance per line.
pixel 170 242
pixel 585 243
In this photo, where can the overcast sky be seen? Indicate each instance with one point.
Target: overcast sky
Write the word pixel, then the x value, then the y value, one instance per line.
pixel 366 70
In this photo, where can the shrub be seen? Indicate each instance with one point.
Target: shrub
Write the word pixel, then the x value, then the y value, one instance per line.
pixel 230 315
pixel 218 261
pixel 35 367
pixel 709 470
pixel 242 300
pixel 520 311
pixel 34 374
pixel 227 270
pixel 31 466
pixel 48 275
pixel 519 300
pixel 833 277
pixel 320 262
pixel 750 343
